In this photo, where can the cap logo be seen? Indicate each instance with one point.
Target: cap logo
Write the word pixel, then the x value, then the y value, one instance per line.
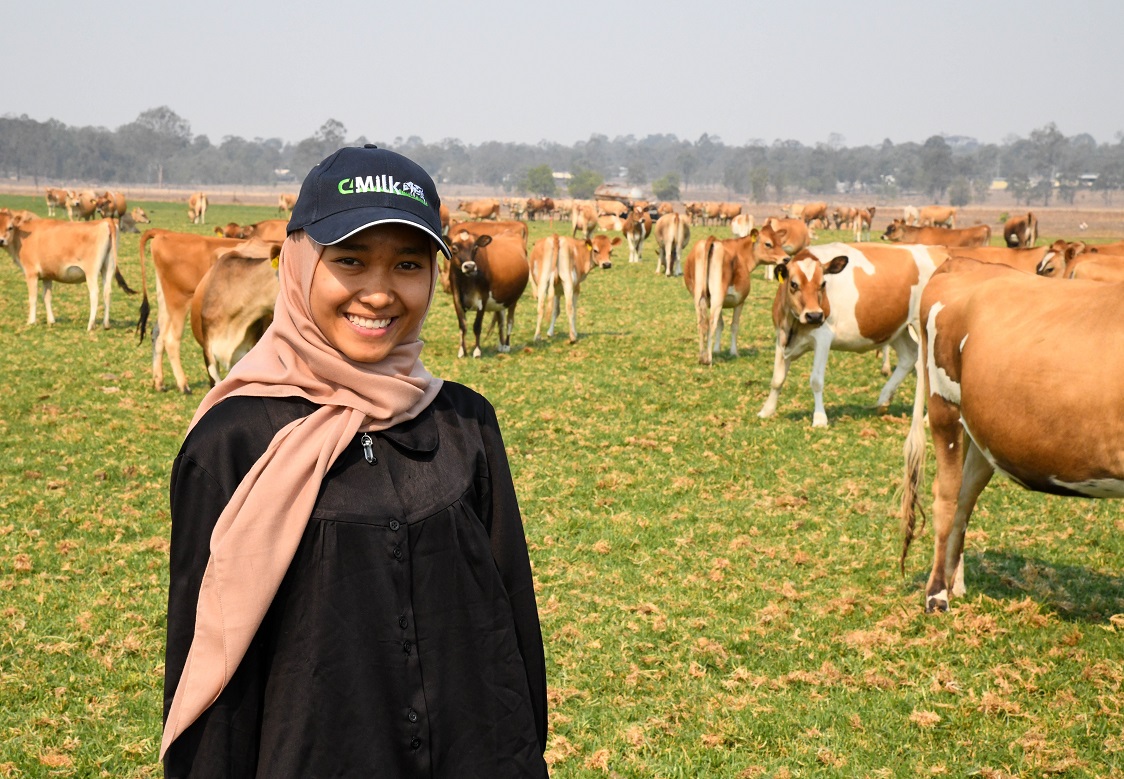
pixel 383 183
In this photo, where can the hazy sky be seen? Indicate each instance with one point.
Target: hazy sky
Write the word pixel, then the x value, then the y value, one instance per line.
pixel 532 71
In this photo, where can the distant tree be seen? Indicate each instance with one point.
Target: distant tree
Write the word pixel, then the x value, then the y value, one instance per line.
pixel 1047 147
pixel 759 184
pixel 540 181
pixel 637 175
pixel 584 182
pixel 960 192
pixel 666 187
pixel 936 166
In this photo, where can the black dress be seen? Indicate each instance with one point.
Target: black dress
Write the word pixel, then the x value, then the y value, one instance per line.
pixel 404 640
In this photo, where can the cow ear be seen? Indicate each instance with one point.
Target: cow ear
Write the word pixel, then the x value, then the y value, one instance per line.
pixel 483 240
pixel 616 241
pixel 754 233
pixel 836 265
pixel 781 271
pixel 274 251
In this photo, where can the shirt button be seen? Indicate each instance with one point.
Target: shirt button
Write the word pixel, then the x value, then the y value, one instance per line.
pixel 407 646
pixel 402 623
pixel 394 524
pixel 397 553
pixel 415 743
pixel 412 716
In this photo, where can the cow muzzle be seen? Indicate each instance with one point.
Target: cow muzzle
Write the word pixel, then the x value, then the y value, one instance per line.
pixel 468 268
pixel 813 317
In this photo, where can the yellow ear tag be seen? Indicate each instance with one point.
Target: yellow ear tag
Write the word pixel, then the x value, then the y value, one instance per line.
pixel 276 261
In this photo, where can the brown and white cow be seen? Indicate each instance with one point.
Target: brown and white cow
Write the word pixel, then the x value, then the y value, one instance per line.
pixel 911 216
pixel 50 250
pixel 1021 231
pixel 1001 364
pixel 559 265
pixel 285 202
pixel 717 274
pixel 852 298
pixel 899 231
pixel 937 216
pixel 197 208
pixel 483 208
pixel 636 230
pixel 487 274
pixel 181 260
pixel 863 219
pixel 233 305
pixel 83 205
pixel 672 234
pixel 59 197
pixel 741 225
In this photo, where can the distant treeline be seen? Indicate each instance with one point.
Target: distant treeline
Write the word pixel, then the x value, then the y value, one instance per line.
pixel 159 148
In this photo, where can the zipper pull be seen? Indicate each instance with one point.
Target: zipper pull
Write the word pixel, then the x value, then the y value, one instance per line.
pixel 368 448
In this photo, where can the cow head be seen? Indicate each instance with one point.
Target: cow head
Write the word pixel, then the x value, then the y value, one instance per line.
pixel 139 216
pixel 463 249
pixel 803 294
pixel 601 250
pixel 768 249
pixel 894 231
pixel 8 223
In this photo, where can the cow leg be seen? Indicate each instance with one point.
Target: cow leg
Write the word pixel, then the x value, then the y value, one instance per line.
pixel 92 290
pixel 555 304
pixel 822 337
pixel 33 297
pixel 541 294
pixel 476 324
pixel 716 326
pixel 172 337
pixel 106 288
pixel 884 353
pixel 735 318
pixel 906 350
pixel 572 313
pixel 781 362
pixel 977 473
pixel 703 321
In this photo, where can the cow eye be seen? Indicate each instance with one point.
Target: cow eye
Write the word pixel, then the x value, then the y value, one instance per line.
pixel 794 287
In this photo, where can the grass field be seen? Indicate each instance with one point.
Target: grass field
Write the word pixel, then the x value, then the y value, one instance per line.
pixel 720 595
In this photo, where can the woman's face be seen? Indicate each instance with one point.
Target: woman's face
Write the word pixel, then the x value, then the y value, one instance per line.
pixel 370 291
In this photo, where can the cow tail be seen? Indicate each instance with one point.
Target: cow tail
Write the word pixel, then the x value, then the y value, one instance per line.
pixel 116 267
pixel 913 453
pixel 142 321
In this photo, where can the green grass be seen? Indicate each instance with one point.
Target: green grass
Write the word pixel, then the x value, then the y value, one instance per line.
pixel 719 594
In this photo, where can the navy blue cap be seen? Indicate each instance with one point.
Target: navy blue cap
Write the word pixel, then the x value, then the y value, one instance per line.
pixel 356 188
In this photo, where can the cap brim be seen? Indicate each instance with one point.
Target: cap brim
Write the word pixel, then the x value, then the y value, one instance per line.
pixel 335 228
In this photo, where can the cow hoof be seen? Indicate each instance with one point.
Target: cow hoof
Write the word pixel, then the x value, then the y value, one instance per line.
pixel 936 604
pixel 819 420
pixel 573 341
pixel 185 389
pixel 476 353
pixel 460 352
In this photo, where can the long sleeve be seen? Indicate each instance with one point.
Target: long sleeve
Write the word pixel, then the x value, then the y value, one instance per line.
pixel 509 549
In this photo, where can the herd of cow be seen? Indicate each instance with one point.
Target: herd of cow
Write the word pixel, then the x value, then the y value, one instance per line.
pixel 995 338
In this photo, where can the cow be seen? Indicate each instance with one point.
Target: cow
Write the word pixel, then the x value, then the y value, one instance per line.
pixel 68 253
pixel 111 205
pixel 487 274
pixel 197 208
pixel 1021 231
pixel 536 206
pixel 584 220
pixel 844 215
pixel 1099 267
pixel 84 205
pixel 813 211
pixel 937 216
pixel 233 305
pixel 485 208
pixel 181 260
pixel 517 206
pixel 129 221
pixel 672 234
pixel 717 274
pixel 59 197
pixel 609 223
pixel 613 207
pixel 285 202
pixel 267 230
pixel 911 216
pixel 559 265
pixel 1044 260
pixel 792 233
pixel 636 230
pixel 898 231
pixel 848 297
pixel 741 225
pixel 863 219
pixel 443 213
pixel 728 211
pixel 664 208
pixel 21 215
pixel 1004 395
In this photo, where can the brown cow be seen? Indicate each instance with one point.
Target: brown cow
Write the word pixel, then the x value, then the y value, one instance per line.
pixel 672 234
pixel 584 219
pixel 613 207
pixel 937 216
pixel 181 260
pixel 197 208
pixel 485 208
pixel 1021 231
pixel 848 297
pixel 717 274
pixel 844 215
pixel 487 274
pixel 559 265
pixel 636 228
pixel 664 208
pixel 1006 363
pixel 814 211
pixel 1044 260
pixel 266 230
pixel 59 197
pixel 111 205
pixel 741 225
pixel 863 219
pixel 537 206
pixel 793 234
pixel 67 253
pixel 233 305
pixel 129 221
pixel 285 202
pixel 84 205
pixel 899 231
pixel 727 211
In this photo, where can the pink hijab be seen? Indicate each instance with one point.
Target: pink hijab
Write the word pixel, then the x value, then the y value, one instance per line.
pixel 257 534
